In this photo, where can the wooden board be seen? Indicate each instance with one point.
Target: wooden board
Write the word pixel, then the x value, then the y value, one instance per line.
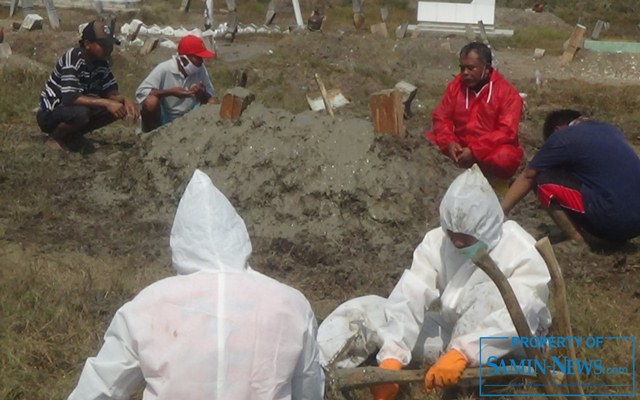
pixel 573 45
pixel 54 21
pixel 12 8
pixel 184 7
pixel 387 112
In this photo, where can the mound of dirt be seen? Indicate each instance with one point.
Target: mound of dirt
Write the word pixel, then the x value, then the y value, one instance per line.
pixel 327 191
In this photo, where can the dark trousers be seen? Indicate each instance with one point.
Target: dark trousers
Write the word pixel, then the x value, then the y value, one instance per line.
pixel 80 118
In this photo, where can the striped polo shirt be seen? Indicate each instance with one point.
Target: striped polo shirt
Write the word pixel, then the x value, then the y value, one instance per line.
pixel 74 76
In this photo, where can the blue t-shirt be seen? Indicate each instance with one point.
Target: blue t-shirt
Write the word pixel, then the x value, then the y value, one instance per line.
pixel 599 156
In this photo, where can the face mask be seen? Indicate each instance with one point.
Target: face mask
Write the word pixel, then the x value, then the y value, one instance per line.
pixel 470 251
pixel 188 66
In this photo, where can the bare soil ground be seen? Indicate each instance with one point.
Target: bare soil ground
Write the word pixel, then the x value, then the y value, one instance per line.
pixel 332 209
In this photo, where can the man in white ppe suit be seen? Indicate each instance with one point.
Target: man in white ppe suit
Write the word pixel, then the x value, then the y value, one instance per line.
pixel 470 304
pixel 217 330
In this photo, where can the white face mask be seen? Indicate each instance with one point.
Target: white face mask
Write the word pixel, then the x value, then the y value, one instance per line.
pixel 188 66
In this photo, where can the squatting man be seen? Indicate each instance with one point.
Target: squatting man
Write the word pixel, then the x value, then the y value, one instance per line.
pixel 405 327
pixel 81 94
pixel 176 86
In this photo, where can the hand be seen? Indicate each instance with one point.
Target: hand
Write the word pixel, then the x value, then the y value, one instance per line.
pixel 131 109
pixel 116 108
pixel 182 92
pixel 465 158
pixel 387 391
pixel 446 371
pixel 200 92
pixel 453 151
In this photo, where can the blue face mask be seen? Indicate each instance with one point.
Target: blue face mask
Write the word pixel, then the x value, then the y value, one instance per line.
pixel 470 251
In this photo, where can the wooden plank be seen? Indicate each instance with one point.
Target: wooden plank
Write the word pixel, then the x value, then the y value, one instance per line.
pixel 136 30
pixel 231 5
pixel 27 6
pixel 323 93
pixel 149 45
pixel 561 315
pixel 234 102
pixel 184 7
pixel 401 32
pixel 483 33
pixel 97 4
pixel 384 14
pixel 573 45
pixel 358 20
pixel 54 21
pixel 380 29
pixel 5 51
pixel 595 35
pixel 408 94
pixel 12 9
pixel 471 34
pixel 356 6
pixel 387 112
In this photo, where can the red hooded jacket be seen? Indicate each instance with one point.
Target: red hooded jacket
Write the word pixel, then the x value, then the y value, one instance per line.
pixel 486 123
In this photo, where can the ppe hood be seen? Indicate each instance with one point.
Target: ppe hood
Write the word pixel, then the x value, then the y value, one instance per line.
pixel 470 206
pixel 207 232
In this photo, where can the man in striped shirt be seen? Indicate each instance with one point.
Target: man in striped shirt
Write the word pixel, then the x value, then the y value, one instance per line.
pixel 82 94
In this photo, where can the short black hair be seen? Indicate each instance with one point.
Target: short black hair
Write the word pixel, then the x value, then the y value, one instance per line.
pixel 483 51
pixel 558 118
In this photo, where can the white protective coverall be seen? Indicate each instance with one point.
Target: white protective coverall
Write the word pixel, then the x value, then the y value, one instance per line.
pixel 217 330
pixel 470 304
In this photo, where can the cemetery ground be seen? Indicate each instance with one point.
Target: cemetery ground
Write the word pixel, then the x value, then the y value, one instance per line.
pixel 332 209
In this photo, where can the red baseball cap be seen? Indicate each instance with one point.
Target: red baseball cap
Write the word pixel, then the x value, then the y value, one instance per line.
pixel 191 45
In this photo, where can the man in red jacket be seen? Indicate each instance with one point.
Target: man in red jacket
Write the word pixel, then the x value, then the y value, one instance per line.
pixel 477 119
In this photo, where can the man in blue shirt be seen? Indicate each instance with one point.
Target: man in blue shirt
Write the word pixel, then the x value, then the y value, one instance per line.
pixel 586 175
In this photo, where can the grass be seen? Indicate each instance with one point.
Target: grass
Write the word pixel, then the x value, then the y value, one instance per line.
pixel 14 107
pixel 545 37
pixel 622 14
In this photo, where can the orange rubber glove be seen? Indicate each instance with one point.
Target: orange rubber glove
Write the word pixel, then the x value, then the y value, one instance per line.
pixel 446 371
pixel 387 391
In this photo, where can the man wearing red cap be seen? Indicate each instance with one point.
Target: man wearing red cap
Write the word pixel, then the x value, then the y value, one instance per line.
pixel 176 86
pixel 81 94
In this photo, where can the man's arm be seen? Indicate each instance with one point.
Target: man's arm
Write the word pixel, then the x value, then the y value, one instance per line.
pixel 177 91
pixel 442 134
pixel 154 85
pixel 407 303
pixel 520 187
pixel 129 106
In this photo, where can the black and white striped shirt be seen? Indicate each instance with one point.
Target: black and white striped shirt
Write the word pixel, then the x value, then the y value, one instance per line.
pixel 74 76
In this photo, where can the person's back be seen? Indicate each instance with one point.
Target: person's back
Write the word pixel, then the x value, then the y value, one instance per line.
pixel 217 330
pixel 601 159
pixel 219 335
